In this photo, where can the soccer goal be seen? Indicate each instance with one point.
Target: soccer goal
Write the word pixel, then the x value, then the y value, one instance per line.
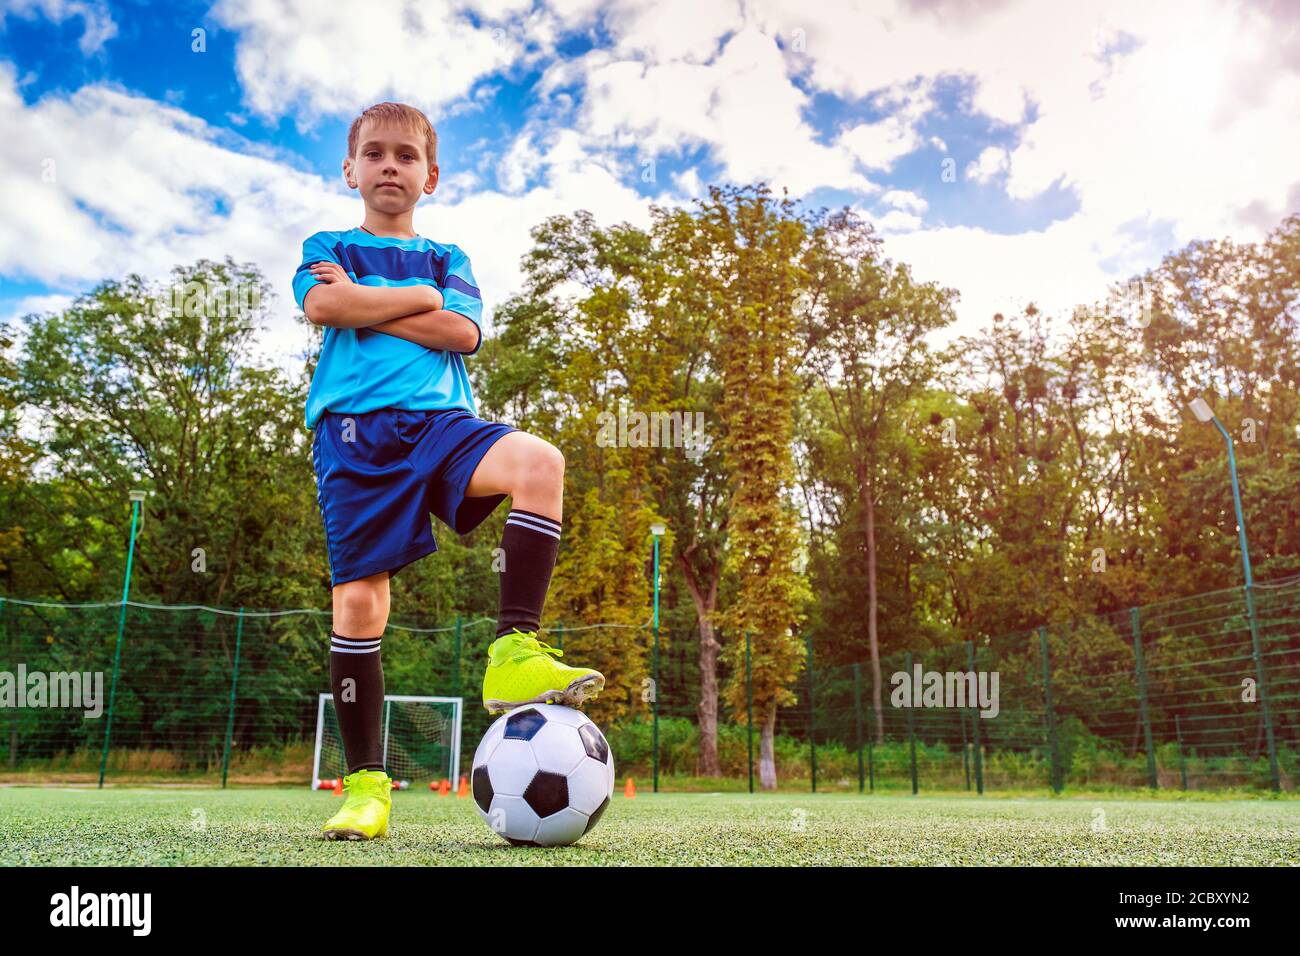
pixel 421 739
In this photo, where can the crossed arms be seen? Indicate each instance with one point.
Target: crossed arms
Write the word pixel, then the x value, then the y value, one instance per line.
pixel 411 312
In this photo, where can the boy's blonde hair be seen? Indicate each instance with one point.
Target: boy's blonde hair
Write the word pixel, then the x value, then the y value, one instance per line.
pixel 408 117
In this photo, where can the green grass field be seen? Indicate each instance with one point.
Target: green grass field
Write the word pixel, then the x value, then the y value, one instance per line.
pixel 51 826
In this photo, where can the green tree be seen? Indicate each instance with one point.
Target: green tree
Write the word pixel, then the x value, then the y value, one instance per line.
pixel 867 328
pixel 756 242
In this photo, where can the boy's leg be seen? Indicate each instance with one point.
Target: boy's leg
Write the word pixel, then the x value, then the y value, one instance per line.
pixel 531 471
pixel 356 671
pixel 357 680
pixel 520 668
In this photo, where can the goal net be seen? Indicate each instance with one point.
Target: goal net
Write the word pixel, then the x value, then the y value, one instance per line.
pixel 421 737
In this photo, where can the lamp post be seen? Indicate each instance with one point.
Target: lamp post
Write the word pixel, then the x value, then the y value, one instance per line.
pixel 657 530
pixel 1201 409
pixel 137 496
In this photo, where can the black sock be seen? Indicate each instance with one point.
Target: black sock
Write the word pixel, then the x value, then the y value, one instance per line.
pixel 357 680
pixel 530 543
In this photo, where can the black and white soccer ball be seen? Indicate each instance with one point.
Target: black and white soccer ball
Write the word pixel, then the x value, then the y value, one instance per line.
pixel 543 774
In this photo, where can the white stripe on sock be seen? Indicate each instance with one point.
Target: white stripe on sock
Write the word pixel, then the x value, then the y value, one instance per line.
pixel 532 527
pixel 343 645
pixel 536 519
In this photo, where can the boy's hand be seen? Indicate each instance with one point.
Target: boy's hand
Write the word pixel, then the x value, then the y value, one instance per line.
pixel 329 272
pixel 351 305
pixel 438 330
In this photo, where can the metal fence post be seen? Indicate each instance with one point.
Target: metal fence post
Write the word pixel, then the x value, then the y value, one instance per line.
pixel 1048 715
pixel 121 627
pixel 1256 649
pixel 749 710
pixel 456 662
pixel 857 719
pixel 13 718
pixel 388 716
pixel 655 702
pixel 975 726
pixel 112 696
pixel 1153 781
pixel 911 732
pixel 965 747
pixel 234 682
pixel 1182 758
pixel 812 715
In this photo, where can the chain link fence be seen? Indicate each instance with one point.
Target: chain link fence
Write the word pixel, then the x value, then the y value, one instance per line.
pixel 1195 693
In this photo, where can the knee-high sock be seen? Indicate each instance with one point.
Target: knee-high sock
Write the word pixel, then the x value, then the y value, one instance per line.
pixel 531 543
pixel 357 680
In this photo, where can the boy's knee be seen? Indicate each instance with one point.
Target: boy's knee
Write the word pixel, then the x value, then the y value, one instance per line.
pixel 546 464
pixel 358 601
pixel 555 458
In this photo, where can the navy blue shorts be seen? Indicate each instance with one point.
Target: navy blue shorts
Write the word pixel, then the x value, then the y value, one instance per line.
pixel 376 491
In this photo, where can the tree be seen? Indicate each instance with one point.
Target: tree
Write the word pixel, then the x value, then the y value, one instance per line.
pixel 154 387
pixel 867 327
pixel 755 244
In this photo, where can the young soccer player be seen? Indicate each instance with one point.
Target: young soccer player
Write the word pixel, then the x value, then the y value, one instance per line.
pixel 397 436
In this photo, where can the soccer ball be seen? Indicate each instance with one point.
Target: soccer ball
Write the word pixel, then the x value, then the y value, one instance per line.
pixel 543 774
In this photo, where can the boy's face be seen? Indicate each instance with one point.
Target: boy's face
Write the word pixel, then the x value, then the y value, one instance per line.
pixel 390 167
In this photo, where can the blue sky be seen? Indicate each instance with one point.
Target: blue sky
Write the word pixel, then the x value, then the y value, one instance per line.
pixel 1013 150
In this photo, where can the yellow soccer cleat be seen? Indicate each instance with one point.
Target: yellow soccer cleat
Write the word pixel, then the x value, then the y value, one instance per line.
pixel 365 810
pixel 523 670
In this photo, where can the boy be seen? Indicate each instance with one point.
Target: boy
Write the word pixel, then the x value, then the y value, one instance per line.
pixel 396 436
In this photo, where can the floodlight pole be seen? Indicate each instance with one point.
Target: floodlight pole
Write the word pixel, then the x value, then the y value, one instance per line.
pixel 1202 411
pixel 136 497
pixel 658 531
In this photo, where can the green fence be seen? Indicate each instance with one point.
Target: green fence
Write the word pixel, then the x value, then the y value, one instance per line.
pixel 1196 693
pixel 1186 694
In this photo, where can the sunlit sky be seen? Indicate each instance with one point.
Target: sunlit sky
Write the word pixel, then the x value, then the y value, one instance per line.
pixel 1083 140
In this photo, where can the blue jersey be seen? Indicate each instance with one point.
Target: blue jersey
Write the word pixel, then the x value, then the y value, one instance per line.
pixel 361 370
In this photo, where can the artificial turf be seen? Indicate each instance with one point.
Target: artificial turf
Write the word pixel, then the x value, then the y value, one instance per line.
pixel 255 826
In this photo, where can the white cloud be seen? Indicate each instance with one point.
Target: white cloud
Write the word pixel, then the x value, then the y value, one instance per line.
pixel 1178 80
pixel 77 170
pixel 303 58
pixel 1162 118
pixel 992 160
pixel 905 199
pixel 896 221
pixel 31 305
pixel 1056 268
pixel 519 164
pixel 86 224
pixel 878 145
pixel 97 22
pixel 493 227
pixel 39 304
pixel 669 30
pixel 1168 137
pixel 688 183
pixel 742 105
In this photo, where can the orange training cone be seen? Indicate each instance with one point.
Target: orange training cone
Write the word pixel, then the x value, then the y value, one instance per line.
pixel 629 789
pixel 338 786
pixel 444 788
pixel 463 789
